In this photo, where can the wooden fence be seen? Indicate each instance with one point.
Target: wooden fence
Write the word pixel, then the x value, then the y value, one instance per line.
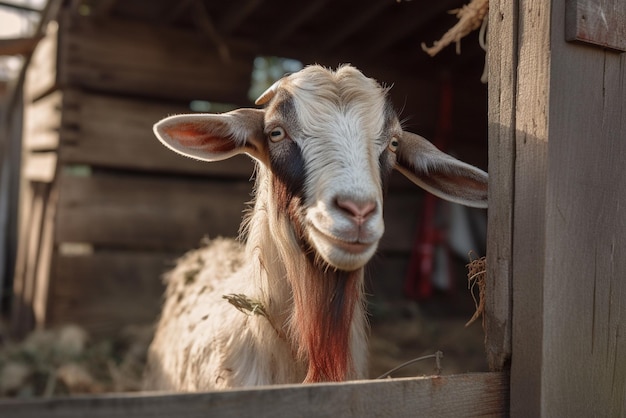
pixel 469 395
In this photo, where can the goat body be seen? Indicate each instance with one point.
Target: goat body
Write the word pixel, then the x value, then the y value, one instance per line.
pixel 325 145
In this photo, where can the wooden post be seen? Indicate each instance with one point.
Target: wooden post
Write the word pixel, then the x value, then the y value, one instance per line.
pixel 566 136
pixel 584 338
pixel 502 62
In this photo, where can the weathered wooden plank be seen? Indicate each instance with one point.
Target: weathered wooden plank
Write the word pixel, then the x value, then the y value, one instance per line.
pixel 467 395
pixel 42 120
pixel 147 213
pixel 159 62
pixel 40 167
pixel 584 288
pixel 175 213
pixel 596 22
pixel 502 61
pixel 41 280
pixel 116 132
pixel 22 315
pixel 41 73
pixel 18 46
pixel 107 290
pixel 531 151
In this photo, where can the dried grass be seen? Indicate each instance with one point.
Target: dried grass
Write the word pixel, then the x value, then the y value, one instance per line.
pixel 66 361
pixel 471 16
pixel 476 272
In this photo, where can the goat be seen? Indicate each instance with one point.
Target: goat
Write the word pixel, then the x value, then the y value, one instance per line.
pixel 325 145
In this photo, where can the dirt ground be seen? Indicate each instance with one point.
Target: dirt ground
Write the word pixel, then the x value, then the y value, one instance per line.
pixel 406 334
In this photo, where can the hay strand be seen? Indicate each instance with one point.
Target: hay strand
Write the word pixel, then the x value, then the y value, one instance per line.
pixel 476 272
pixel 470 17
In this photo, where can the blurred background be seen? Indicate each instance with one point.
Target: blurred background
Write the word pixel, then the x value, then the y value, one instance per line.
pixel 93 209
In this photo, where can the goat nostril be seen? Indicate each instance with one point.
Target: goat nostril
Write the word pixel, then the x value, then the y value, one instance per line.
pixel 360 211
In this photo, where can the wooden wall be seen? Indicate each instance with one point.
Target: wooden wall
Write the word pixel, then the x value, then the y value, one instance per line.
pixel 557 310
pixel 106 207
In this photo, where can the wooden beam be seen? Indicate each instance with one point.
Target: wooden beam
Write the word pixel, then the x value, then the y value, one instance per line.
pixel 361 17
pixel 179 9
pixel 236 14
pixel 19 7
pixel 103 8
pixel 205 23
pixel 19 46
pixel 293 21
pixel 483 394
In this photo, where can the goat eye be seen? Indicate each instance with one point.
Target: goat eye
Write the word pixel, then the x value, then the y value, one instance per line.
pixel 277 134
pixel 394 144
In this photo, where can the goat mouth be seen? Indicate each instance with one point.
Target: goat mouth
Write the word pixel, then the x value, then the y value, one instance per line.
pixel 352 247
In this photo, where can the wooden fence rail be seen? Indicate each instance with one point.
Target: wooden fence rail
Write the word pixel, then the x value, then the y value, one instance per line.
pixel 468 395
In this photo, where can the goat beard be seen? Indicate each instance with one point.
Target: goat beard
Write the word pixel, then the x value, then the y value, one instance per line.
pixel 324 306
pixel 325 300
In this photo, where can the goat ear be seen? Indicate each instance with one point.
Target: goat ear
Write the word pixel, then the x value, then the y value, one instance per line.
pixel 213 137
pixel 439 173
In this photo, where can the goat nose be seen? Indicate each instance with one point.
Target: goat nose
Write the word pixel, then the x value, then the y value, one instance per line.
pixel 359 211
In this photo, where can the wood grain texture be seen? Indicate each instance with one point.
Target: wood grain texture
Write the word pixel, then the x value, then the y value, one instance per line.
pixel 502 62
pixel 41 74
pixel 28 263
pixel 140 212
pixel 116 132
pixel 531 152
pixel 597 22
pixel 568 300
pixel 584 343
pixel 126 211
pixel 159 62
pixel 44 261
pixel 42 121
pixel 446 396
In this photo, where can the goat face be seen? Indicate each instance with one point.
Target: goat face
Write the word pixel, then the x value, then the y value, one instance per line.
pixel 331 140
pixel 328 133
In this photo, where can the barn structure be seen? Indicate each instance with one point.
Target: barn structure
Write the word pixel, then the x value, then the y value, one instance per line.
pixel 554 112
